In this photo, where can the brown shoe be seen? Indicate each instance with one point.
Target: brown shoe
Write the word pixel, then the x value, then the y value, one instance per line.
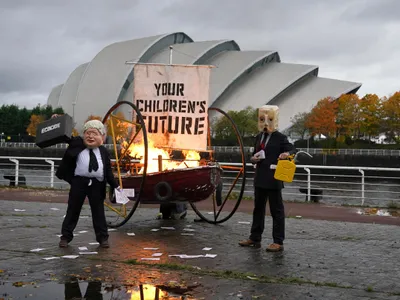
pixel 250 243
pixel 104 244
pixel 63 243
pixel 274 248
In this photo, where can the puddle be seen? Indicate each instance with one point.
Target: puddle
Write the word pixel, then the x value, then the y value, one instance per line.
pixel 94 290
pixel 377 212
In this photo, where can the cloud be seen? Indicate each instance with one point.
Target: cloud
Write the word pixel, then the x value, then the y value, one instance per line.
pixel 46 40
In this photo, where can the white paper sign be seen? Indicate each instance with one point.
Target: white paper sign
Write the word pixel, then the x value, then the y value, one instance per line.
pixel 173 100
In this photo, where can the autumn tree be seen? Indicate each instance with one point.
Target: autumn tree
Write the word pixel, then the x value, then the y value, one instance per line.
pixel 34 121
pixel 299 122
pixel 348 115
pixel 322 118
pixel 391 116
pixel 370 115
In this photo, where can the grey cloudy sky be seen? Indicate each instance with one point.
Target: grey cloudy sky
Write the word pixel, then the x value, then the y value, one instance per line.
pixel 43 41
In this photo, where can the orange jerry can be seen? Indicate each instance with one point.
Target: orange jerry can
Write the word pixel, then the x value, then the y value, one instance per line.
pixel 285 169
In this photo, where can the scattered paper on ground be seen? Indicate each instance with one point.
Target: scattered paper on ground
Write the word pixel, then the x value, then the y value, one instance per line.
pixel 211 255
pixel 188 229
pixel 84 217
pixel 59 235
pixel 193 256
pixel 150 258
pixel 82 231
pixel 51 258
pixel 168 228
pixel 244 222
pixel 37 249
pixel 82 248
pixel 185 256
pixel 150 248
pixel 112 229
pixel 83 253
pixel 157 254
pixel 70 256
pixel 54 208
pixel 155 229
pixel 130 234
pixel 17 209
pixel 206 249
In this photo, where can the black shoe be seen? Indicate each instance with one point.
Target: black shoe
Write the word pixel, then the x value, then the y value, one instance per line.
pixel 63 243
pixel 104 244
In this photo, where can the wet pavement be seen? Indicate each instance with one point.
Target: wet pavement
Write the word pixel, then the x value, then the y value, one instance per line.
pixel 322 259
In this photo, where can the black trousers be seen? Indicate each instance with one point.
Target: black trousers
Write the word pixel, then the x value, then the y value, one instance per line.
pixel 261 196
pixel 80 188
pixel 73 291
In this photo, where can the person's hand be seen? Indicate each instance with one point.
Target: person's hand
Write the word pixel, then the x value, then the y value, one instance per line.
pixel 254 159
pixel 284 155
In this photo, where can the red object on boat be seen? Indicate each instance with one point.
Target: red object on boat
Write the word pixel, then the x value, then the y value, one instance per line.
pixel 178 185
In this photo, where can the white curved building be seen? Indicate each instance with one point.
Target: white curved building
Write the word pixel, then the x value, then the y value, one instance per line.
pixel 240 79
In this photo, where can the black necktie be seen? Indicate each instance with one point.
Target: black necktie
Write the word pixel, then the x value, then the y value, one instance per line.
pixel 93 164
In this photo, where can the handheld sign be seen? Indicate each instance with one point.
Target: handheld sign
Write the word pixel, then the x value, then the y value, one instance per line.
pixel 54 131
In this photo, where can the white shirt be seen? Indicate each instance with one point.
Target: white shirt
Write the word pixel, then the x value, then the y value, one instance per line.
pixel 82 165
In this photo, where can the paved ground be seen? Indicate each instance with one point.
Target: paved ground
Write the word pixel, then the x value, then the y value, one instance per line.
pixel 313 211
pixel 322 259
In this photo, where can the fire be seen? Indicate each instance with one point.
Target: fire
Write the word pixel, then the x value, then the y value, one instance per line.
pixel 149 292
pixel 192 158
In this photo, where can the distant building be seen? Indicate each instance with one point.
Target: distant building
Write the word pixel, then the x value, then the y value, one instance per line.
pixel 240 79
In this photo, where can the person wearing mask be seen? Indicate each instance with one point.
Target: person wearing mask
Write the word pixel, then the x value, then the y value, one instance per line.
pixel 86 166
pixel 270 145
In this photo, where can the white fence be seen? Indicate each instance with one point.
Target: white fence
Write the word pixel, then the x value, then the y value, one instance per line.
pixel 229 149
pixel 333 184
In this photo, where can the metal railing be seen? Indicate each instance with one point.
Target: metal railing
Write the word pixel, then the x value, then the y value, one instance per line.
pixel 333 184
pixel 230 149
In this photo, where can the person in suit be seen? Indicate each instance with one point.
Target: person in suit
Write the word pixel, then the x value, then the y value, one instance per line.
pixel 270 145
pixel 86 166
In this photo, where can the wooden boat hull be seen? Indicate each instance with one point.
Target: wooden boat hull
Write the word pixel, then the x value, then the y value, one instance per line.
pixel 180 185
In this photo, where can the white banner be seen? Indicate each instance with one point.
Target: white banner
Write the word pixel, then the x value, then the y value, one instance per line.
pixel 173 100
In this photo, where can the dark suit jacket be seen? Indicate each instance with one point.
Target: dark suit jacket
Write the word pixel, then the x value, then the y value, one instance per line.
pixel 277 144
pixel 67 167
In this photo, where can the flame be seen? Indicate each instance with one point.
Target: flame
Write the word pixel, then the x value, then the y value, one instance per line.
pixel 192 158
pixel 149 292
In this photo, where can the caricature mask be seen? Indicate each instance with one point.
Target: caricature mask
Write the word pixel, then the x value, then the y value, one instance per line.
pixel 93 133
pixel 268 118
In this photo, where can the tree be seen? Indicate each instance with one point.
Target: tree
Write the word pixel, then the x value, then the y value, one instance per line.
pixel 322 118
pixel 34 121
pixel 391 116
pixel 245 121
pixel 370 115
pixel 299 122
pixel 348 115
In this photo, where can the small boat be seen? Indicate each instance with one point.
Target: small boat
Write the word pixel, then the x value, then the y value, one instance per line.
pixel 178 185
